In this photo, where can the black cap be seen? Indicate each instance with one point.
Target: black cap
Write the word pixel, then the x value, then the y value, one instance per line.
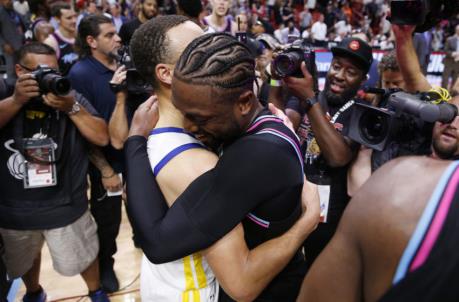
pixel 357 49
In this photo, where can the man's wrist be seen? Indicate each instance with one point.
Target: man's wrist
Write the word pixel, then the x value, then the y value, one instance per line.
pixel 134 131
pixel 309 102
pixel 76 107
pixel 107 172
pixel 115 88
pixel 18 103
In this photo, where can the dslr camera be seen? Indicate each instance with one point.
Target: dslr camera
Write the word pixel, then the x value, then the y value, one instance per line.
pixel 50 80
pixel 288 62
pixel 135 83
pixel 403 120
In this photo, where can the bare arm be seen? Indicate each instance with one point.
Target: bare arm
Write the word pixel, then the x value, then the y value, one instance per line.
pixel 407 59
pixel 110 179
pixel 359 171
pixel 336 273
pixel 92 128
pixel 118 124
pixel 245 273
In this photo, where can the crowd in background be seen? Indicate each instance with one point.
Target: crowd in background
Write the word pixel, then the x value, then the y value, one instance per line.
pixel 321 23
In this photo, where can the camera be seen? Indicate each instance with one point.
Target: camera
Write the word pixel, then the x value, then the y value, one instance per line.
pixel 135 83
pixel 288 62
pixel 50 80
pixel 403 120
pixel 425 14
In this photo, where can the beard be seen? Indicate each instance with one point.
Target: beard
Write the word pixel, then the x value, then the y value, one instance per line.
pixel 224 137
pixel 444 152
pixel 147 15
pixel 339 99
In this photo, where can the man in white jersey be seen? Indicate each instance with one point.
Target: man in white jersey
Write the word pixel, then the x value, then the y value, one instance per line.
pixel 177 158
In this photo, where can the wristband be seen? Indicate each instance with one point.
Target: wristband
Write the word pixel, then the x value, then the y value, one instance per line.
pixel 115 88
pixel 275 83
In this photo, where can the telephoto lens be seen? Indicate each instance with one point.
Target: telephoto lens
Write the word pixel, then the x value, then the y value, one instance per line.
pixel 56 84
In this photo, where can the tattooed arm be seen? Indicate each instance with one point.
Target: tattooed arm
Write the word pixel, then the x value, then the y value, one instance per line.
pixel 110 180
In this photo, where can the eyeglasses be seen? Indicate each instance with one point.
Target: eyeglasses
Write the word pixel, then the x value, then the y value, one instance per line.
pixel 27 68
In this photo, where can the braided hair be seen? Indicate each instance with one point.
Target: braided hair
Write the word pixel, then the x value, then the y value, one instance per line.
pixel 218 60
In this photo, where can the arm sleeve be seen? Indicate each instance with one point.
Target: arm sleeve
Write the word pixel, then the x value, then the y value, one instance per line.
pixel 212 205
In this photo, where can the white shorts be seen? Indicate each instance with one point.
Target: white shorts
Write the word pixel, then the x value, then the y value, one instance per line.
pixel 157 288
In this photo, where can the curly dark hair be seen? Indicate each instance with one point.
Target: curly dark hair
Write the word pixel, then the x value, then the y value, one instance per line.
pixel 150 46
pixel 388 62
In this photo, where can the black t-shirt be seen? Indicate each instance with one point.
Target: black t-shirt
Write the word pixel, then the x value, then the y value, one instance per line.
pixel 128 29
pixel 333 180
pixel 48 207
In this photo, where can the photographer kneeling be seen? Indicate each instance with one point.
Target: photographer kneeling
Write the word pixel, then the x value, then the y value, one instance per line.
pixel 44 129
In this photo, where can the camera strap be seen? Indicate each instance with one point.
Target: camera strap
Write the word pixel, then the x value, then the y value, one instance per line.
pixel 341 110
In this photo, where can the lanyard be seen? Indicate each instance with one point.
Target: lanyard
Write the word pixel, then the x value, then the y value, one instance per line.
pixel 341 110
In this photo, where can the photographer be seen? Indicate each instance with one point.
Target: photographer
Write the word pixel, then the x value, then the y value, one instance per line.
pixel 327 152
pixel 44 130
pixel 442 140
pixel 98 44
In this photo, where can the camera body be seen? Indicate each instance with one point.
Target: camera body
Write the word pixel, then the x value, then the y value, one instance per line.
pixel 135 83
pixel 404 119
pixel 50 80
pixel 288 62
pixel 425 14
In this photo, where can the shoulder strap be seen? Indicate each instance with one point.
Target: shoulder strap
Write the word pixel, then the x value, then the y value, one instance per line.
pixel 430 224
pixel 173 149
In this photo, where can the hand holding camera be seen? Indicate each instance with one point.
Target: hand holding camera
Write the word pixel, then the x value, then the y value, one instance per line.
pixel 61 103
pixel 119 76
pixel 26 89
pixel 118 81
pixel 302 88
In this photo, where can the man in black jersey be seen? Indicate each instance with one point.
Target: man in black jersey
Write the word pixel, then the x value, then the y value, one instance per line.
pixel 63 39
pixel 256 180
pixel 148 10
pixel 363 260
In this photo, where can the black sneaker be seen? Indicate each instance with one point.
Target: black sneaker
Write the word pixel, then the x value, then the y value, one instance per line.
pixel 39 296
pixel 108 280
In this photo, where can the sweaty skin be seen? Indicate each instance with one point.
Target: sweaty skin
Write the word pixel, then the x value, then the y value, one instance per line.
pixel 359 263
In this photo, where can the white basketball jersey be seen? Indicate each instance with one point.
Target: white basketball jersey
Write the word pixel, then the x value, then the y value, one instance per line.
pixel 189 279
